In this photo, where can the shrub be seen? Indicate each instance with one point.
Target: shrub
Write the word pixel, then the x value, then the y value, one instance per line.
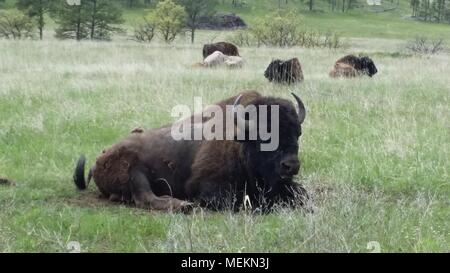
pixel 424 45
pixel 145 31
pixel 16 25
pixel 280 29
pixel 168 19
pixel 284 29
pixel 241 38
pixel 258 36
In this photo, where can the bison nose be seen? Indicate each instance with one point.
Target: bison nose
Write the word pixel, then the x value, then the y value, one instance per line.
pixel 290 166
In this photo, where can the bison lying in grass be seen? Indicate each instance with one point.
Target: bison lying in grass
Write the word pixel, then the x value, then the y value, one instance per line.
pixel 155 171
pixel 218 59
pixel 289 71
pixel 224 47
pixel 353 66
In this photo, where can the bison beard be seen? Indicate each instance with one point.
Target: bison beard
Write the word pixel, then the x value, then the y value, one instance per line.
pixel 289 71
pixel 224 47
pixel 352 66
pixel 154 171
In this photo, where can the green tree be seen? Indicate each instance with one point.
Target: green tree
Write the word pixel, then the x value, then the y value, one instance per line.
pixel 311 4
pixel 15 25
pixel 145 31
pixel 135 3
pixel 168 19
pixel 131 3
pixel 196 9
pixel 104 16
pixel 281 28
pixel 415 7
pixel 237 3
pixel 36 9
pixel 92 19
pixel 72 20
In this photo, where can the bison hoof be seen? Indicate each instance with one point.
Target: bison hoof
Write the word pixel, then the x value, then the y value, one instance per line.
pixel 178 205
pixel 186 207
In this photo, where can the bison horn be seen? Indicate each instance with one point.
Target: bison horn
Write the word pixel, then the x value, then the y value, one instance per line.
pixel 240 121
pixel 301 111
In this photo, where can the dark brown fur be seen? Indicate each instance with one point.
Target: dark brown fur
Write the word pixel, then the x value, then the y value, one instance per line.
pixel 352 66
pixel 343 70
pixel 153 170
pixel 224 47
pixel 289 71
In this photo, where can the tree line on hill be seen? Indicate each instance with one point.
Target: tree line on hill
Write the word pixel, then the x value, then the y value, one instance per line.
pixel 100 19
pixel 431 10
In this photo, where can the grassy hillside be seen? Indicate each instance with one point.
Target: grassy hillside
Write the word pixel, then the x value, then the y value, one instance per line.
pixel 375 152
pixel 362 22
pixel 359 23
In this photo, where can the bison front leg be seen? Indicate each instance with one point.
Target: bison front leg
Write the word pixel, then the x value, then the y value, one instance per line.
pixel 144 197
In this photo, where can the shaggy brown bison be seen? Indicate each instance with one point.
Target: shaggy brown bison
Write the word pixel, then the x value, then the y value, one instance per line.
pixel 352 66
pixel 343 70
pixel 219 59
pixel 155 171
pixel 224 47
pixel 289 71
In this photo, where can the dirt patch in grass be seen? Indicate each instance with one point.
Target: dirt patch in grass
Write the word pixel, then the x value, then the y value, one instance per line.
pixel 89 199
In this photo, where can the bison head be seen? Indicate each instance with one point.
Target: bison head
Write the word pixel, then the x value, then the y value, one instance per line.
pixel 278 166
pixel 368 66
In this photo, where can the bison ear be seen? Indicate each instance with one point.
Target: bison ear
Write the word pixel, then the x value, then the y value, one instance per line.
pixel 301 111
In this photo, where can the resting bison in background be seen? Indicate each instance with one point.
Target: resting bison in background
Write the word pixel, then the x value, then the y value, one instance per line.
pixel 352 66
pixel 224 47
pixel 343 70
pixel 155 171
pixel 218 59
pixel 289 71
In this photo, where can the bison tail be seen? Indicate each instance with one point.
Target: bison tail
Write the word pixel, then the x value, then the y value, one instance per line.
pixel 78 176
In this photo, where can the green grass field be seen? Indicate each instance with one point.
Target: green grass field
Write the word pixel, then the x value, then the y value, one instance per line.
pixel 375 151
pixel 356 23
pixel 361 22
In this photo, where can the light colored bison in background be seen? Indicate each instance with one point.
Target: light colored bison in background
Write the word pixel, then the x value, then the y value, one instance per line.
pixel 218 58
